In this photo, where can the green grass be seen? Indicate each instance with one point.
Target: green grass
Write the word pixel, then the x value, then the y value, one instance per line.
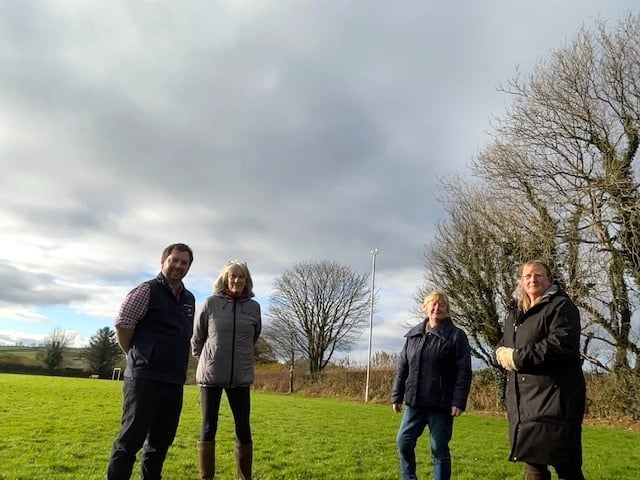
pixel 62 428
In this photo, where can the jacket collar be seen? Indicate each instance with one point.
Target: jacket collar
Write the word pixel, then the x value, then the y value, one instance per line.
pixel 551 291
pixel 439 329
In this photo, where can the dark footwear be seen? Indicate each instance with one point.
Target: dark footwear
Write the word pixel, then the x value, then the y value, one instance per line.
pixel 529 475
pixel 207 460
pixel 244 460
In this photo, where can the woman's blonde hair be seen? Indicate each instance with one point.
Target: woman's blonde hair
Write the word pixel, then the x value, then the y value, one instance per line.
pixel 523 300
pixel 221 283
pixel 436 296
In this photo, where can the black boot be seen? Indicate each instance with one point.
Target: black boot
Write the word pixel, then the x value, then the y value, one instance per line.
pixel 578 476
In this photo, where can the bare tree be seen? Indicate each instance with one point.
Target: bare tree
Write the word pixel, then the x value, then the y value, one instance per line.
pixel 473 258
pixel 577 119
pixel 55 346
pixel 558 182
pixel 318 308
pixel 281 335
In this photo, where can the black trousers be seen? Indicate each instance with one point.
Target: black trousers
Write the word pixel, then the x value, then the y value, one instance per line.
pixel 151 412
pixel 240 404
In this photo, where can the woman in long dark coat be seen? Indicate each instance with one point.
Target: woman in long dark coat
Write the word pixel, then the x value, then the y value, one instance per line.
pixel 546 393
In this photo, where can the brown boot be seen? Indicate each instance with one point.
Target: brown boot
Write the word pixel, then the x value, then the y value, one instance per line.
pixel 207 460
pixel 244 460
pixel 530 475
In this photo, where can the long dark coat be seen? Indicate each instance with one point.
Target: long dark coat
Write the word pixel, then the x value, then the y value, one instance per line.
pixel 546 395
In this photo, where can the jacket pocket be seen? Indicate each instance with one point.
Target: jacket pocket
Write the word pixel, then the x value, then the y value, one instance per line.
pixel 539 398
pixel 141 354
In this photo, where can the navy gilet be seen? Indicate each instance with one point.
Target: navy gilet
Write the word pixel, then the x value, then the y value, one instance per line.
pixel 160 348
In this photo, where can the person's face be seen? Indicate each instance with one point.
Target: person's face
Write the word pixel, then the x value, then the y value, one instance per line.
pixel 436 310
pixel 236 281
pixel 176 266
pixel 535 281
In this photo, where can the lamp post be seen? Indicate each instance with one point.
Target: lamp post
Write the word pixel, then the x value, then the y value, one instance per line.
pixel 374 252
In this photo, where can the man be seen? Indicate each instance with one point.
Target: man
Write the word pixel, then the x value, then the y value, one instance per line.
pixel 153 328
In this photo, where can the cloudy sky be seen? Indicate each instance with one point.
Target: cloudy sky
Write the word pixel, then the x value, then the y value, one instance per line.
pixel 271 131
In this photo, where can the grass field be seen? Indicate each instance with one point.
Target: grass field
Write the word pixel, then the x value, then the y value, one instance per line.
pixel 62 428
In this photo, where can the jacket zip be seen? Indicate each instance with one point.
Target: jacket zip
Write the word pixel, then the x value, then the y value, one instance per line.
pixel 233 344
pixel 514 376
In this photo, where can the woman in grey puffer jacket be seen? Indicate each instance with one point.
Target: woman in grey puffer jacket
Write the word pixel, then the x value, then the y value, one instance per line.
pixel 225 330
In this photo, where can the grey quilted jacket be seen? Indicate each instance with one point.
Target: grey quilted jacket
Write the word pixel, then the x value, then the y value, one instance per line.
pixel 224 334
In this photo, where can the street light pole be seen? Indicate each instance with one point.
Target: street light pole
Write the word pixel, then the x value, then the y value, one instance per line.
pixel 374 252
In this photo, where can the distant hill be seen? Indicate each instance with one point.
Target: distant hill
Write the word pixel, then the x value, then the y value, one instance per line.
pixel 19 351
pixel 29 356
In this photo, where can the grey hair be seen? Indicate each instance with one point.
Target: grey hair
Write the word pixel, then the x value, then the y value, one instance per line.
pixel 221 283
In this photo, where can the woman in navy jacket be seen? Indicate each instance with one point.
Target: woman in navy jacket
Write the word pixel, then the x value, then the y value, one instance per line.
pixel 433 379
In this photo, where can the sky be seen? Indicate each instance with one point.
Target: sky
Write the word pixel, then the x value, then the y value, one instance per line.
pixel 275 132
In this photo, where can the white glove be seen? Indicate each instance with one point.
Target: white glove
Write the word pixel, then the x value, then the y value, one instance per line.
pixel 504 355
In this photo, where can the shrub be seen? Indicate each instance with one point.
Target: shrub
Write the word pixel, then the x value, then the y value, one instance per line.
pixel 614 394
pixel 609 396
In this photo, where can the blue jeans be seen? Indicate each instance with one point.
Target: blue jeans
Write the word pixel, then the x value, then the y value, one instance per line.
pixel 414 421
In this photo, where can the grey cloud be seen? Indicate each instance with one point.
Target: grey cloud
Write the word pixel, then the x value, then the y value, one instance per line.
pixel 34 289
pixel 276 132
